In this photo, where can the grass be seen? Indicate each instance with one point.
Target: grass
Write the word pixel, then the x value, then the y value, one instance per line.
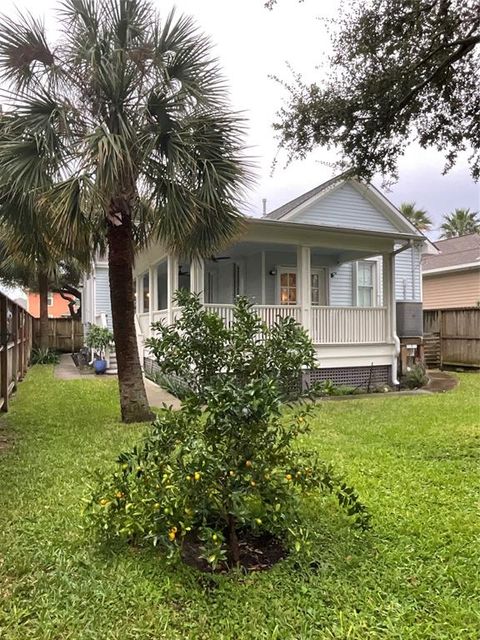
pixel 414 460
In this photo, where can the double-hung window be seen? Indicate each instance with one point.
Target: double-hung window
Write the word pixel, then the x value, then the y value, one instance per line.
pixel 366 277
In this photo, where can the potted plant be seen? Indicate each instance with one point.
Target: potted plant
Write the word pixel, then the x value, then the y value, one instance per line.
pixel 98 340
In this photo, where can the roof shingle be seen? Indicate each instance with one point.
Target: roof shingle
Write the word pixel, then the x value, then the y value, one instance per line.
pixel 454 252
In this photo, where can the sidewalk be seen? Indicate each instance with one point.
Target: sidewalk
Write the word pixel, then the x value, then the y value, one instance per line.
pixel 66 370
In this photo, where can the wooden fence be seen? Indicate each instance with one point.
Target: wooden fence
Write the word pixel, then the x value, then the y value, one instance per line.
pixel 64 334
pixel 452 337
pixel 15 347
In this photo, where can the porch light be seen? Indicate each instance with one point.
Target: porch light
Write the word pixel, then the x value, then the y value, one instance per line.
pixel 273 272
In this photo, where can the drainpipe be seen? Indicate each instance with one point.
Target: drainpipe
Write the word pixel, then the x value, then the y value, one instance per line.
pixel 393 311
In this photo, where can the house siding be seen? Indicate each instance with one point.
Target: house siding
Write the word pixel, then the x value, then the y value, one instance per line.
pixel 341 286
pixel 408 286
pixel 345 207
pixel 444 291
pixel 102 291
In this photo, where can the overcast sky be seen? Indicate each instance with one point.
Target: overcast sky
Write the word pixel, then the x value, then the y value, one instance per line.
pixel 253 43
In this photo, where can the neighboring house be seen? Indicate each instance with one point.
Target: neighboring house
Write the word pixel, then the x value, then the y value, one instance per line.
pixel 57 306
pixel 452 277
pixel 96 307
pixel 340 259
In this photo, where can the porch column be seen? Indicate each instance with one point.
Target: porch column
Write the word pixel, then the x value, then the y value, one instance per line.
pixel 197 278
pixel 152 302
pixel 304 284
pixel 390 303
pixel 172 284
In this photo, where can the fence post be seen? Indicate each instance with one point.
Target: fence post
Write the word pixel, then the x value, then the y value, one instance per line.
pixel 440 336
pixel 3 353
pixel 21 335
pixel 15 344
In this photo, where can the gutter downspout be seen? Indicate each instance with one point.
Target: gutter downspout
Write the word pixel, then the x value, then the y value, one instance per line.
pixel 393 311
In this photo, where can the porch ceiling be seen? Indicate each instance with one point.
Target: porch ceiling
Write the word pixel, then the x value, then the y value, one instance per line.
pixel 331 255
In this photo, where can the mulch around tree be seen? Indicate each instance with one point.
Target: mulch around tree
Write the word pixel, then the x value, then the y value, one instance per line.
pixel 257 553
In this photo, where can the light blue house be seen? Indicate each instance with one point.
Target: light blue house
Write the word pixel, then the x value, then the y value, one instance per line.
pixel 340 259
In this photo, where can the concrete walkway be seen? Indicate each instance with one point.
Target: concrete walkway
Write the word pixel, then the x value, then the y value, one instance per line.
pixel 157 397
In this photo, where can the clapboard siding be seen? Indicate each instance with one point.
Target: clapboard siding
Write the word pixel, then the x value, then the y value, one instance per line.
pixel 408 275
pixel 341 286
pixel 345 207
pixel 461 289
pixel 102 290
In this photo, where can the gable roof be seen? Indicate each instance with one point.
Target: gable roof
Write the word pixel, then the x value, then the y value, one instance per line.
pixel 463 251
pixel 286 208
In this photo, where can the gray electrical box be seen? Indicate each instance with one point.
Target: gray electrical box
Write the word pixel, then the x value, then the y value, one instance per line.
pixel 409 319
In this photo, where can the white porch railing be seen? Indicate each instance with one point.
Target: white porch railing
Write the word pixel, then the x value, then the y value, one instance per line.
pixel 348 325
pixel 160 316
pixel 328 325
pixel 268 313
pixel 144 322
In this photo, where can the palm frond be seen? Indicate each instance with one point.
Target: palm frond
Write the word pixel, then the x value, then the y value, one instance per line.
pixel 25 55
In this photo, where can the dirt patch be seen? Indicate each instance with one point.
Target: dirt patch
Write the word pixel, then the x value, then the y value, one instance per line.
pixel 257 553
pixel 440 382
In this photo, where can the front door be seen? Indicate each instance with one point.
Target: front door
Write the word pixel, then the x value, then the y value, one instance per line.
pixel 288 291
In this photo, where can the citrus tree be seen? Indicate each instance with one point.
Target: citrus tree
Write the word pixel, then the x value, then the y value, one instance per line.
pixel 229 461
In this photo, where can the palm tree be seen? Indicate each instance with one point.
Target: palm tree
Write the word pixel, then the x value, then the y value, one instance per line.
pixel 127 118
pixel 460 223
pixel 31 256
pixel 418 217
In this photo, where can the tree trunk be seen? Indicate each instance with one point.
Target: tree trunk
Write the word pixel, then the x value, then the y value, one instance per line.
pixel 233 548
pixel 133 398
pixel 43 295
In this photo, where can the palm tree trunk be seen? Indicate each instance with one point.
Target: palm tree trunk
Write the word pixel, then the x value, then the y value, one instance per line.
pixel 133 398
pixel 43 295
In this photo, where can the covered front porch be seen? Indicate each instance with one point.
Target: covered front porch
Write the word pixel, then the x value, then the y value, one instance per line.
pixel 340 296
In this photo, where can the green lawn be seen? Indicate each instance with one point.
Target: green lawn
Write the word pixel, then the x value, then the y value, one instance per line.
pixel 414 460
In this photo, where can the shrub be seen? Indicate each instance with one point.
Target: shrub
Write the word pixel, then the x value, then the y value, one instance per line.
pixel 198 347
pixel 99 338
pixel 173 385
pixel 42 355
pixel 416 376
pixel 228 460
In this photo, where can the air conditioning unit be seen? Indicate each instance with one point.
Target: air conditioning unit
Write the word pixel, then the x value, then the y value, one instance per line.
pixel 409 319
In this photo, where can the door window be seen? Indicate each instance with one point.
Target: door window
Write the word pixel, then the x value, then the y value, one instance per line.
pixel 288 287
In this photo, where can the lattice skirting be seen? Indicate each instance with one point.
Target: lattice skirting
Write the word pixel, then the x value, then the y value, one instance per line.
pixel 350 376
pixel 362 377
pixel 150 367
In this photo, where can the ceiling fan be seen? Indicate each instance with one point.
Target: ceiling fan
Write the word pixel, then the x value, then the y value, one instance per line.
pixel 218 258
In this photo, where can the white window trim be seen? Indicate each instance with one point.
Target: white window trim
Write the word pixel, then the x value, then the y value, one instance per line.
pixel 50 299
pixel 374 282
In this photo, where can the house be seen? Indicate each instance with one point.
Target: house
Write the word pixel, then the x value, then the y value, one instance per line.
pixel 340 259
pixel 57 306
pixel 451 278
